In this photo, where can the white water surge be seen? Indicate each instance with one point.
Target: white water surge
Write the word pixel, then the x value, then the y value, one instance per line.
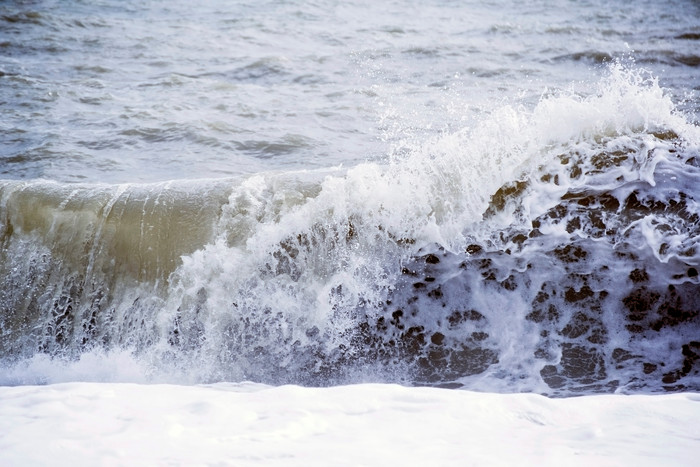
pixel 561 258
pixel 250 425
pixel 330 199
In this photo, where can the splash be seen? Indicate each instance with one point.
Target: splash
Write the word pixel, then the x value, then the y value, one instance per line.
pixel 547 250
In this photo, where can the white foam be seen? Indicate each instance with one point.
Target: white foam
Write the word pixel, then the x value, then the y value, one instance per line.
pixel 293 254
pixel 249 425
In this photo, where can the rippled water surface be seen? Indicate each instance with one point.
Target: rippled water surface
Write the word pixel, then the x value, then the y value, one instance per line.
pixel 145 91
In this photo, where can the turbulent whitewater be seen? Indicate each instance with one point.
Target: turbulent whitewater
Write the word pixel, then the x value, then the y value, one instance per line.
pixel 559 259
pixel 465 197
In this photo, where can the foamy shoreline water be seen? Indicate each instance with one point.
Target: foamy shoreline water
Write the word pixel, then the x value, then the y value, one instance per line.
pixel 502 195
pixel 366 424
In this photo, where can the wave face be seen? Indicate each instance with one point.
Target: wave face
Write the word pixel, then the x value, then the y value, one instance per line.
pixel 553 250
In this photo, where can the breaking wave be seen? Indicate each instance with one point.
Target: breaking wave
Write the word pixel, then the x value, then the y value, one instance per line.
pixel 553 249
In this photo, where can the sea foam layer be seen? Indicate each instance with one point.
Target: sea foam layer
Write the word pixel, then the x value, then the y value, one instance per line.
pixel 249 425
pixel 551 249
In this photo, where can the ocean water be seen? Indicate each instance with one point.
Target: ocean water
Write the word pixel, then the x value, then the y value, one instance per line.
pixel 498 196
pixel 364 424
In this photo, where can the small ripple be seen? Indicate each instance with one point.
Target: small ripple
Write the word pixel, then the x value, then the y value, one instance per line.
pixel 92 68
pixel 690 36
pixel 565 30
pixel 153 135
pixel 422 52
pixel 688 60
pixel 265 149
pixel 591 56
pixel 265 69
pixel 26 17
pixel 671 58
